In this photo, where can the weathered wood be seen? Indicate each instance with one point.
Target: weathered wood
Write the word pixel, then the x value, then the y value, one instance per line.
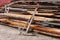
pixel 57 23
pixel 31 12
pixel 10 18
pixel 57 16
pixel 35 2
pixel 53 15
pixel 44 14
pixel 36 18
pixel 34 6
pixel 41 10
pixel 34 26
pixel 17 9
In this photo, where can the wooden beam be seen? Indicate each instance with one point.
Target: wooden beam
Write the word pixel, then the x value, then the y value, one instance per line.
pixel 36 18
pixel 34 26
pixel 43 14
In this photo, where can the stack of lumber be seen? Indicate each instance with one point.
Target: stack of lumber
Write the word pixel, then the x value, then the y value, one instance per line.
pixel 46 19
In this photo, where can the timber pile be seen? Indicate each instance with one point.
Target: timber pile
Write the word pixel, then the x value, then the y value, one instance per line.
pixel 47 17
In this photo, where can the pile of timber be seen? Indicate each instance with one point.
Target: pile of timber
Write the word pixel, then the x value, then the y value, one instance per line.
pixel 46 19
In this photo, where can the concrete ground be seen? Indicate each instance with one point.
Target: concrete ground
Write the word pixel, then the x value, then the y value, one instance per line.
pixel 9 33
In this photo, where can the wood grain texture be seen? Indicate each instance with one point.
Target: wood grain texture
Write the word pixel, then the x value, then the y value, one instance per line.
pixel 34 26
pixel 28 17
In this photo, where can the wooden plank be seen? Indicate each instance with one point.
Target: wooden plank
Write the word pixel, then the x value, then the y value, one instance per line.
pixel 44 14
pixel 34 6
pixel 36 27
pixel 36 18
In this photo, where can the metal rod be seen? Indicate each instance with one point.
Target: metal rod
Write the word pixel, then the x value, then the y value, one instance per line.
pixel 7 8
pixel 32 17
